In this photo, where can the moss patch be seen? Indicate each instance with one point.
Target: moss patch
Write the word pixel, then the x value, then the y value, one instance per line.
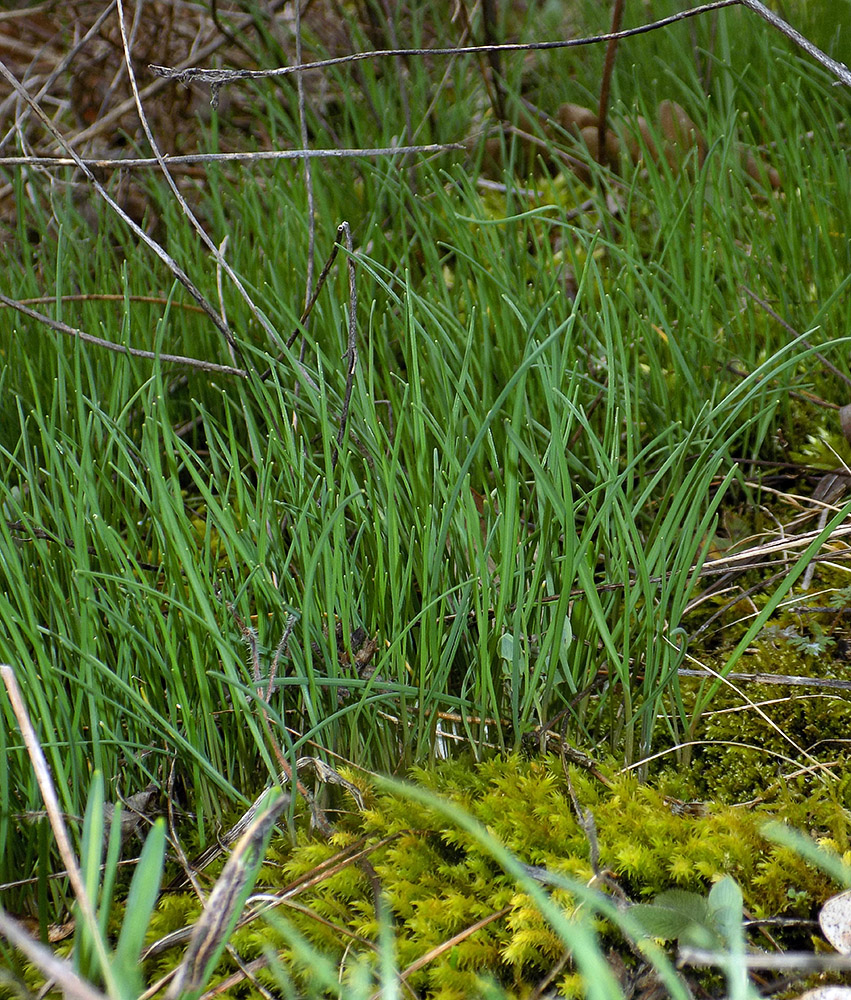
pixel 438 880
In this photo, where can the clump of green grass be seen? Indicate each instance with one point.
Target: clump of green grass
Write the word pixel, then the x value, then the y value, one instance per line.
pixel 528 476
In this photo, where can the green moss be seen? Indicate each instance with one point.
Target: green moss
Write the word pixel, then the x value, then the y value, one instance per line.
pixel 756 732
pixel 438 881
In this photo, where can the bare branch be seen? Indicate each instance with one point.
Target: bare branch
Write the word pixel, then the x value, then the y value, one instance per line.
pixel 801 961
pixel 837 68
pixel 108 345
pixel 217 77
pixel 130 163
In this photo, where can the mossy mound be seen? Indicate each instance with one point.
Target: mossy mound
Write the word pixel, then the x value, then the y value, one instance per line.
pixel 439 881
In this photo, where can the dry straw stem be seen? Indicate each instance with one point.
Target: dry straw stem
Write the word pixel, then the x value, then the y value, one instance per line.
pixel 56 969
pixel 46 786
pixel 797 335
pixel 448 945
pixel 801 961
pixel 217 77
pixel 229 892
pixel 129 163
pixel 60 832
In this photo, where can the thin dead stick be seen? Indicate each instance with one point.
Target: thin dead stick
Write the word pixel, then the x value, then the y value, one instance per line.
pixel 779 680
pixel 157 300
pixel 57 970
pixel 725 680
pixel 798 336
pixel 738 744
pixel 352 349
pixel 174 839
pixel 709 593
pixel 489 18
pixel 839 69
pixel 802 961
pixel 170 263
pixel 486 77
pixel 108 345
pixel 218 256
pixel 57 823
pixel 447 945
pixel 33 531
pixel 218 77
pixel 579 593
pixel 323 276
pixel 143 162
pixel 47 788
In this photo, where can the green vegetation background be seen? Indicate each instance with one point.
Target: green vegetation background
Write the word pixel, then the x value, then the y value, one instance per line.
pixel 550 408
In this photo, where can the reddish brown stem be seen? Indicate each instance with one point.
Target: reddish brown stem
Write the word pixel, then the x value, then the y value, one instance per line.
pixel 605 86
